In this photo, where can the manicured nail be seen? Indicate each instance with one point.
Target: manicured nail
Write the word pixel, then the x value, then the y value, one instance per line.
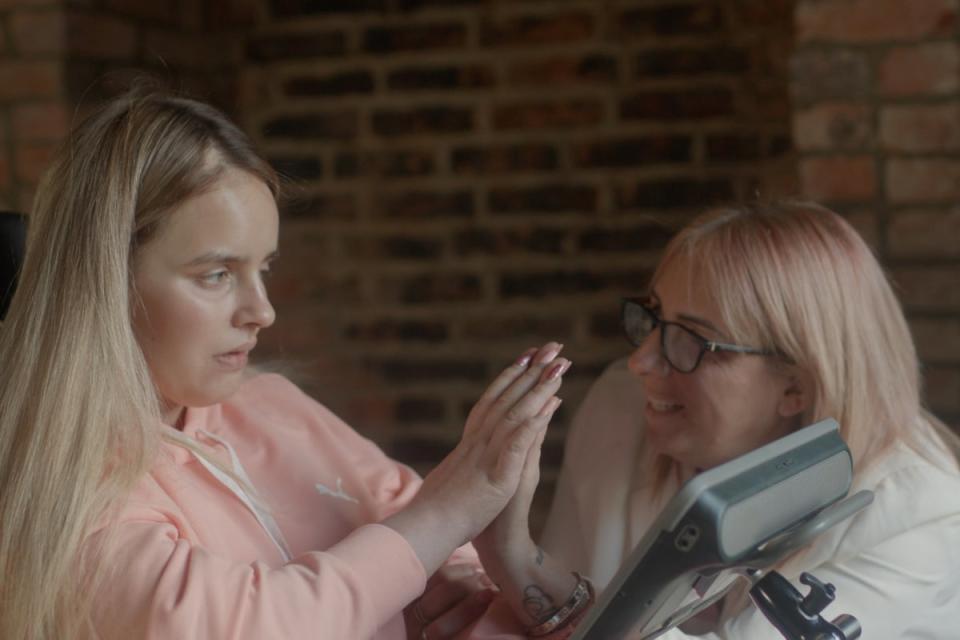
pixel 550 407
pixel 550 354
pixel 558 369
pixel 524 360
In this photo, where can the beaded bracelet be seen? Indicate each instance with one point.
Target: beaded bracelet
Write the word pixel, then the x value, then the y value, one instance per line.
pixel 582 595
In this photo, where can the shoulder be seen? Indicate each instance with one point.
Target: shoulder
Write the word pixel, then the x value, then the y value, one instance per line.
pixel 912 497
pixel 274 407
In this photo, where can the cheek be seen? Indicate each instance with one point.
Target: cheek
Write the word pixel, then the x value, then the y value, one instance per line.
pixel 173 327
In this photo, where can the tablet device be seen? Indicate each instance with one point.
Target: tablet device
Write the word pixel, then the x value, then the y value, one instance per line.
pixel 719 520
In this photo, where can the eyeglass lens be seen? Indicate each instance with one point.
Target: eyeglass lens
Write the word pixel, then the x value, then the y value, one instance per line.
pixel 680 347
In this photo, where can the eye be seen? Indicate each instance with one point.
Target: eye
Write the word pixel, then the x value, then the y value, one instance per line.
pixel 214 278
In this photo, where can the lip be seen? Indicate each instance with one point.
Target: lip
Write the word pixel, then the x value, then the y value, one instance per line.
pixel 236 358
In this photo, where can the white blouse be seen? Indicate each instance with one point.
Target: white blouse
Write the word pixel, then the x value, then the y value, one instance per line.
pixel 895 565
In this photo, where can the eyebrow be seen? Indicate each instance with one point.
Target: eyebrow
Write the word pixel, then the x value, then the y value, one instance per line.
pixel 689 318
pixel 221 256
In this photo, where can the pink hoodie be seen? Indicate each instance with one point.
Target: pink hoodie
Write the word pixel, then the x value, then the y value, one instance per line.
pixel 193 560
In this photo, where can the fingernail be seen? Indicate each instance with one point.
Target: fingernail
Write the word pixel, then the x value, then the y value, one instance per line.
pixel 549 354
pixel 524 360
pixel 550 407
pixel 558 369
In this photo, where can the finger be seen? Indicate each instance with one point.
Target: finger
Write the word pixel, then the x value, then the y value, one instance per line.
pixel 461 616
pixel 530 477
pixel 513 454
pixel 445 595
pixel 531 403
pixel 452 572
pixel 501 382
pixel 501 407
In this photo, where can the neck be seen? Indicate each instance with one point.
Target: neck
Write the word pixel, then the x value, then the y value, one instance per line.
pixel 173 416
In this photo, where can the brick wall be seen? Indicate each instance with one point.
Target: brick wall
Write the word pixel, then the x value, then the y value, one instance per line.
pixel 877 129
pixel 32 105
pixel 192 45
pixel 471 178
pixel 468 178
pixel 60 57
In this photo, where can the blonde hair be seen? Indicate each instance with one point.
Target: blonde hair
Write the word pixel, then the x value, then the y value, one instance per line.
pixel 796 279
pixel 79 413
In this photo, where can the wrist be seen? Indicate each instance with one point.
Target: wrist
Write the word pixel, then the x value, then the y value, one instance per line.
pixel 431 532
pixel 568 613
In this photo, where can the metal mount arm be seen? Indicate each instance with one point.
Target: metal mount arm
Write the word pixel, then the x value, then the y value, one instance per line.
pixel 797 617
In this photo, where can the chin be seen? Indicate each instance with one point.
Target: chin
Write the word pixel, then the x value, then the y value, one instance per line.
pixel 212 394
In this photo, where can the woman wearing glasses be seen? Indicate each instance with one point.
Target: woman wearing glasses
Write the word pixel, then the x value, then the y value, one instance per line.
pixel 760 320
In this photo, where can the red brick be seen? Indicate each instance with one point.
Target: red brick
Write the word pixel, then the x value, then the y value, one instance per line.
pixel 91 35
pixel 917 70
pixel 833 126
pixel 536 30
pixel 42 121
pixel 592 69
pixel 921 127
pixel 38 32
pixel 925 234
pixel 29 79
pixel 32 159
pixel 221 14
pixel 541 115
pixel 865 223
pixel 938 339
pixel 838 178
pixel 415 37
pixel 830 73
pixel 859 21
pixel 189 51
pixel 923 180
pixel 928 288
pixel 149 9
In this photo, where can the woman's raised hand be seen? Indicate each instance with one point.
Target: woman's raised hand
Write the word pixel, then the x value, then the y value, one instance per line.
pixel 469 487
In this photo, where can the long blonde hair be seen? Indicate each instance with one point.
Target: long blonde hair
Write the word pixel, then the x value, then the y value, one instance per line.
pixel 79 413
pixel 796 279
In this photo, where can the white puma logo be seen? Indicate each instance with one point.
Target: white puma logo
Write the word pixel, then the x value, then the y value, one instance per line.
pixel 324 490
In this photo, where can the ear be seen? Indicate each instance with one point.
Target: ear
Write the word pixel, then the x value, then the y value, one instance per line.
pixel 797 394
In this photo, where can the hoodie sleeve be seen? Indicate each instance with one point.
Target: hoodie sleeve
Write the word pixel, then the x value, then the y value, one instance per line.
pixel 165 587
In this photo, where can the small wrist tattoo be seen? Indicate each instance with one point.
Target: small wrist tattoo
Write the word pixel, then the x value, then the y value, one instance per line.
pixel 539 556
pixel 537 603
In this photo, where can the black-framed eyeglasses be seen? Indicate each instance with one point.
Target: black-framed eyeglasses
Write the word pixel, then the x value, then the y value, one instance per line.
pixel 681 347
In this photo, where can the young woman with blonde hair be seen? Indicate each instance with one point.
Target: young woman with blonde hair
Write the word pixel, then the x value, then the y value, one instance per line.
pixel 152 486
pixel 761 319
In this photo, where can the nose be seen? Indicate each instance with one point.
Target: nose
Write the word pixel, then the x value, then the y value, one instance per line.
pixel 648 357
pixel 254 309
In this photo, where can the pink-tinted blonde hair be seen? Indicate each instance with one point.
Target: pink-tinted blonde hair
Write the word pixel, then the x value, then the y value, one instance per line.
pixel 795 278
